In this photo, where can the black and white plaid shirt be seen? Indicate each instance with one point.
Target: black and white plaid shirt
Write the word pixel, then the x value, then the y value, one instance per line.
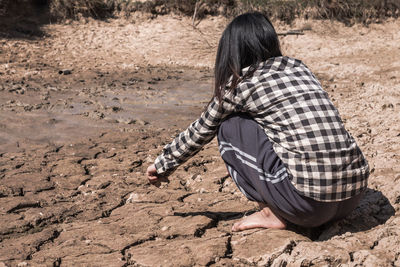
pixel 283 96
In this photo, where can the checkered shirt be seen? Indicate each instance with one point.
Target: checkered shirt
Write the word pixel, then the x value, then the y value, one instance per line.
pixel 283 96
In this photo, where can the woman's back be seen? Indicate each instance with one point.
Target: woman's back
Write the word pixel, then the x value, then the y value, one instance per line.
pixel 288 102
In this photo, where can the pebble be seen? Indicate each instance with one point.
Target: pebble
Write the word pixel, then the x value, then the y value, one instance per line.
pixel 126 121
pixel 197 177
pixel 65 72
pixel 133 197
pixel 141 122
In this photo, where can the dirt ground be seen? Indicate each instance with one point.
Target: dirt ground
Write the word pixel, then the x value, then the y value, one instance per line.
pixel 87 106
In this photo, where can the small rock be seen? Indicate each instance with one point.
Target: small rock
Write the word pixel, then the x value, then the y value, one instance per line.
pixel 133 197
pixel 195 176
pixel 385 106
pixel 116 109
pixel 96 115
pixel 141 122
pixel 65 72
pixel 165 228
pixel 126 121
pixel 44 97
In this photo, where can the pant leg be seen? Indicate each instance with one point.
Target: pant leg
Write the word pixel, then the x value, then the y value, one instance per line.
pixel 247 153
pixel 261 176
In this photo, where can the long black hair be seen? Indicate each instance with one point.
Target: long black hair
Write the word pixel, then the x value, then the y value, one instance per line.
pixel 246 42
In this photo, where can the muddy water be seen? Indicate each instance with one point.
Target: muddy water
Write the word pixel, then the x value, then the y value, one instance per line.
pixel 158 98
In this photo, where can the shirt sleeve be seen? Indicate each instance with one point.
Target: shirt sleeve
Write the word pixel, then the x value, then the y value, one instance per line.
pixel 190 141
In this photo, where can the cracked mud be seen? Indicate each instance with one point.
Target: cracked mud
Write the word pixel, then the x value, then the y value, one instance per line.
pixel 85 110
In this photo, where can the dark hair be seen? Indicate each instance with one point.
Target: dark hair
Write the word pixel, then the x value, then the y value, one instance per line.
pixel 246 42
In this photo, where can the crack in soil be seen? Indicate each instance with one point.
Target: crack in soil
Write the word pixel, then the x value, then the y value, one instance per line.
pixel 135 93
pixel 108 212
pixel 228 251
pixel 136 243
pixel 25 205
pixel 201 231
pixel 182 198
pixel 287 250
pixel 56 233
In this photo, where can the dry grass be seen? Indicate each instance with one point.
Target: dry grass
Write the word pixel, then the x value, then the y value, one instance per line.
pixel 350 11
pixel 75 8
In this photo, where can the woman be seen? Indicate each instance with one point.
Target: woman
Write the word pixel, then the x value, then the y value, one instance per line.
pixel 280 136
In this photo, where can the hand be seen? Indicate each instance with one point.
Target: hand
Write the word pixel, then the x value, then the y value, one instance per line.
pixel 154 178
pixel 152 174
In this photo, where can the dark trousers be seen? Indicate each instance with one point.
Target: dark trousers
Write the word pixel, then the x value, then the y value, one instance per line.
pixel 261 176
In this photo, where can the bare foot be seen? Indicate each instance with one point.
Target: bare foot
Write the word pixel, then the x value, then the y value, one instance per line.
pixel 264 218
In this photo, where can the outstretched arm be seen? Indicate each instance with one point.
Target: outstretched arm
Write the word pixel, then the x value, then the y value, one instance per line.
pixel 190 141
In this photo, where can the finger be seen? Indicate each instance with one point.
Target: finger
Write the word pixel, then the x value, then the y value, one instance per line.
pixel 152 178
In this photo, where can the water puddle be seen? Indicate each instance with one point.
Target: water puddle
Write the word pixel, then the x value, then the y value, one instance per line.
pixel 167 102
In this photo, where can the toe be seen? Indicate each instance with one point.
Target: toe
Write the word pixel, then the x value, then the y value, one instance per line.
pixel 235 227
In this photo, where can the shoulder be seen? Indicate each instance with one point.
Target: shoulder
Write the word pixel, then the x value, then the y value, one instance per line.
pixel 273 70
pixel 282 63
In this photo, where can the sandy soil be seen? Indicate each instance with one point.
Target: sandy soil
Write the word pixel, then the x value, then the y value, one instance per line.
pixel 86 108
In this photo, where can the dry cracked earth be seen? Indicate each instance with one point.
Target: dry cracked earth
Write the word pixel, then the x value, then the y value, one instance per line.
pixel 86 106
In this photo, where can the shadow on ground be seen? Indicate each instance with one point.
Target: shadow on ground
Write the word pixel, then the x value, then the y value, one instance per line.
pixel 219 216
pixel 373 210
